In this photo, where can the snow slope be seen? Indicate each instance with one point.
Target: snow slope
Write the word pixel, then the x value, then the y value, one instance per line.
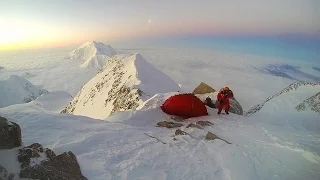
pixel 118 148
pixel 53 101
pixel 95 54
pixel 286 99
pixel 16 90
pixel 124 83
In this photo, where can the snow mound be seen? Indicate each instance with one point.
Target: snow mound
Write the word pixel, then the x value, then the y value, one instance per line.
pixel 1 67
pixel 312 103
pixel 124 83
pixel 289 97
pixel 95 54
pixel 17 90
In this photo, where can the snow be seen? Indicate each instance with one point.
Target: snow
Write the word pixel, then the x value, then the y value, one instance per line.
pixel 16 90
pixel 278 142
pixel 124 80
pixel 45 102
pixel 117 148
pixel 95 54
pixel 1 67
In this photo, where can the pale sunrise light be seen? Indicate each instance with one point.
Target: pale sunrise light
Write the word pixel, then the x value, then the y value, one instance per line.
pixel 63 23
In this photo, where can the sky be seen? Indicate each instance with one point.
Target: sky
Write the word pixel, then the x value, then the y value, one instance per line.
pixel 44 23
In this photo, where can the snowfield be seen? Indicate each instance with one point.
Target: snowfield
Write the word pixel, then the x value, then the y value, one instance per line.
pixel 275 142
pixel 118 148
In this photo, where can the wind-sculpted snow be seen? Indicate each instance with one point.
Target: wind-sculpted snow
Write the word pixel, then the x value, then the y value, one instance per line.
pixel 124 83
pixel 312 103
pixel 17 90
pixel 290 88
pixel 95 54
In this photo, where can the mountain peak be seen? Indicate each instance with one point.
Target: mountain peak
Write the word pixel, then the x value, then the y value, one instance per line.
pixel 95 54
pixel 123 84
pixel 17 90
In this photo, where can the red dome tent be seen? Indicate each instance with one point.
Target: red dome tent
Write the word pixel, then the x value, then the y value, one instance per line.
pixel 184 105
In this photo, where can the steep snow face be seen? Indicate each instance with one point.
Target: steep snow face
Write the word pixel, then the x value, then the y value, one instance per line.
pixel 95 54
pixel 16 90
pixel 312 103
pixel 124 83
pixel 287 99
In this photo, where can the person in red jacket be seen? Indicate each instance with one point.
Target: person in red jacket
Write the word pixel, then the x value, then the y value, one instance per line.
pixel 223 98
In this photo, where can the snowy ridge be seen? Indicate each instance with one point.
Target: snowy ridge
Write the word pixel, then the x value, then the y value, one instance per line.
pixel 17 90
pixel 124 83
pixel 95 54
pixel 312 103
pixel 290 88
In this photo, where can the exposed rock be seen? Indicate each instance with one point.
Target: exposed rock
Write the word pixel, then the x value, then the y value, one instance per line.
pixel 10 134
pixel 26 153
pixel 180 132
pixel 177 118
pixel 169 124
pixel 42 163
pixel 204 123
pixel 312 103
pixel 203 88
pixel 211 136
pixel 4 175
pixel 235 106
pixel 50 154
pixel 63 166
pixel 209 102
pixel 194 126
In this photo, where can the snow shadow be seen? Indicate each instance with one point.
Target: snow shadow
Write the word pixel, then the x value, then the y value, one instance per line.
pixel 316 68
pixel 290 72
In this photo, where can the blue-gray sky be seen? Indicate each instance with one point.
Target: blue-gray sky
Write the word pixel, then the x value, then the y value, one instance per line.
pixel 62 22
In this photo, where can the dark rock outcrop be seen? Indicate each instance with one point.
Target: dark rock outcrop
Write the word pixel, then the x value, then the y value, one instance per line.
pixel 10 134
pixel 180 132
pixel 235 106
pixel 169 124
pixel 312 103
pixel 42 163
pixel 203 88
